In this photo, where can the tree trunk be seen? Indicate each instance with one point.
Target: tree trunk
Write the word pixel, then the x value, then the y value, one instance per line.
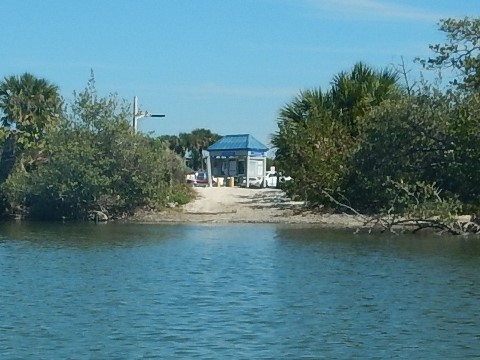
pixel 9 156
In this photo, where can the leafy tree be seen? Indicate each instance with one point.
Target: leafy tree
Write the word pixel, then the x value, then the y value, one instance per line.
pixel 463 171
pixel 96 162
pixel 314 154
pixel 311 145
pixel 319 131
pixel 409 156
pixel 427 138
pixel 461 52
pixel 193 143
pixel 174 143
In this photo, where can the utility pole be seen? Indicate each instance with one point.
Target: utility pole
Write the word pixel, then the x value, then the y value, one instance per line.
pixel 139 114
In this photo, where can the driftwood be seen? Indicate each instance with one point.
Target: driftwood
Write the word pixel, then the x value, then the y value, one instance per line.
pixel 392 222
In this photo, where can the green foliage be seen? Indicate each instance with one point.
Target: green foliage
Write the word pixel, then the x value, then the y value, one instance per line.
pixel 30 108
pixel 313 153
pixel 94 161
pixel 319 131
pixel 429 137
pixel 461 53
pixel 354 94
pixel 3 135
pixel 192 143
pixel 419 200
pixel 31 105
pixel 463 172
pixel 421 206
pixel 375 149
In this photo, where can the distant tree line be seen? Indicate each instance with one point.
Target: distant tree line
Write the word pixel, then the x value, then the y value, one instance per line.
pixel 371 144
pixel 190 146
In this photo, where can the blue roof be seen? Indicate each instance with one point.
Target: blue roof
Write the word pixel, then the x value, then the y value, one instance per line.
pixel 237 142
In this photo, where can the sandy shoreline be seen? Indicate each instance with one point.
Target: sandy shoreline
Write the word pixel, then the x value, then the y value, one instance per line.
pixel 240 205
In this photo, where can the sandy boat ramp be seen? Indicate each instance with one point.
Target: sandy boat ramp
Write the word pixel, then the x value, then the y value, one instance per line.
pixel 242 205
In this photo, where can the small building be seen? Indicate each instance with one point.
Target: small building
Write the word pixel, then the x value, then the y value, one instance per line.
pixel 238 156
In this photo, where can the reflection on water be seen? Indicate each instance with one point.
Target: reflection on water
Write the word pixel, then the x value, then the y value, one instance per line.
pixel 242 291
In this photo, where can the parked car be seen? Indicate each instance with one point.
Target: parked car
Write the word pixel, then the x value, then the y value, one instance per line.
pixel 253 181
pixel 273 179
pixel 190 178
pixel 201 179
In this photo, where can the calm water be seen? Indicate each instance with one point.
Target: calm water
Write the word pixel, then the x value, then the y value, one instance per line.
pixel 239 292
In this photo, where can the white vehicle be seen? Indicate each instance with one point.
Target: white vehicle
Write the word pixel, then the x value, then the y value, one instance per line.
pixel 253 181
pixel 273 179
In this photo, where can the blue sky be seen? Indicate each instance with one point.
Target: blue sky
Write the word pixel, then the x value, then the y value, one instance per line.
pixel 224 65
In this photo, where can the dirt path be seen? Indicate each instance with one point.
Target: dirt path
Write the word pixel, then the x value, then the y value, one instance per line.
pixel 241 205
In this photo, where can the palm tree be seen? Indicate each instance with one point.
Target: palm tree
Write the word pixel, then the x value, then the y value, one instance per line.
pixel 196 142
pixel 318 131
pixel 356 92
pixel 30 107
pixel 298 125
pixel 306 106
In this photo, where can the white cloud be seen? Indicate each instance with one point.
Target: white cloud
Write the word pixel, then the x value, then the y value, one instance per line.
pixel 366 9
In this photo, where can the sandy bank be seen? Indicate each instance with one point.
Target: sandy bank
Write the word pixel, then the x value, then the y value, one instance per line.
pixel 240 205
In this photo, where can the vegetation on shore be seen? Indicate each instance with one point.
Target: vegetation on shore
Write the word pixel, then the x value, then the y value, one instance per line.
pixel 408 154
pixel 372 144
pixel 69 160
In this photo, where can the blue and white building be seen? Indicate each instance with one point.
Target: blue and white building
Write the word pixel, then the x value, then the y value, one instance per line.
pixel 238 156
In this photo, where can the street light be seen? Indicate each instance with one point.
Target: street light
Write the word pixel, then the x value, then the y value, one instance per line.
pixel 140 114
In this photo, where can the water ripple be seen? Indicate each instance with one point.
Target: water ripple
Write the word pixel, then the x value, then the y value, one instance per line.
pixel 245 292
